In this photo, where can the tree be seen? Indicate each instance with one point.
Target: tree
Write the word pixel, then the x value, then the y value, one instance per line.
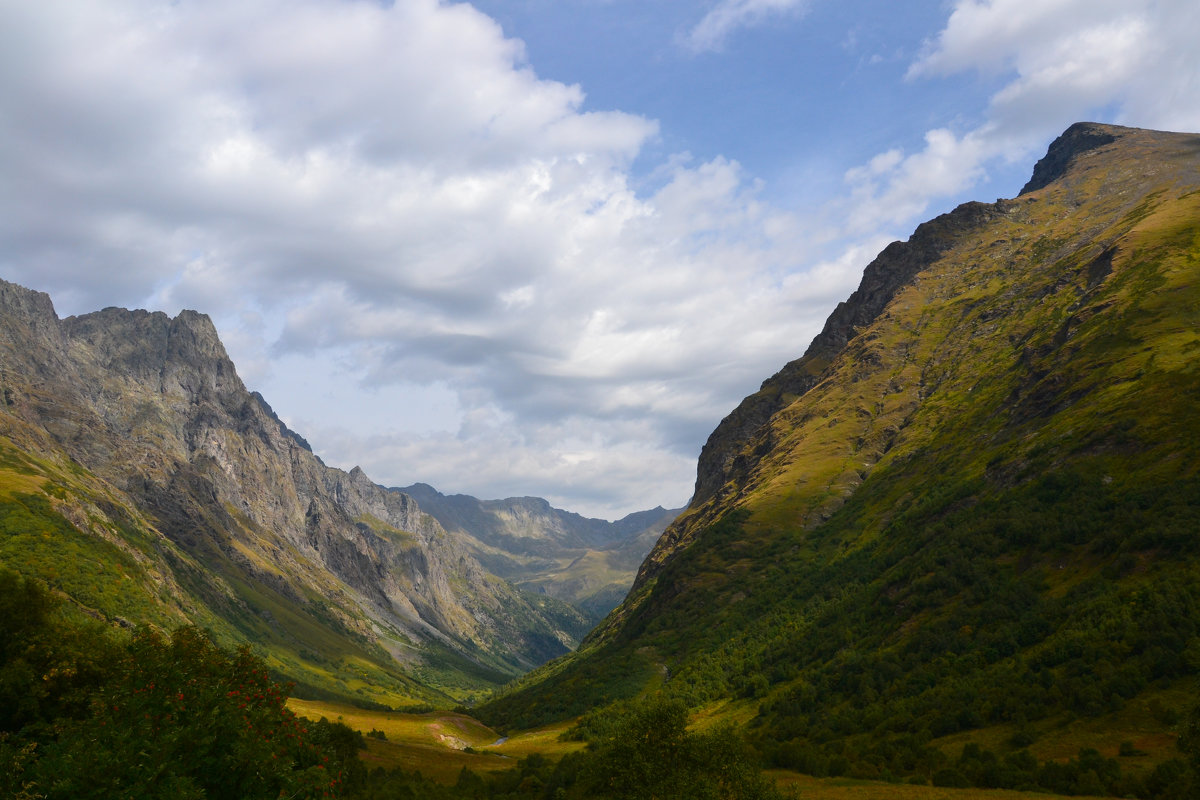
pixel 184 718
pixel 1189 745
pixel 647 753
pixel 85 713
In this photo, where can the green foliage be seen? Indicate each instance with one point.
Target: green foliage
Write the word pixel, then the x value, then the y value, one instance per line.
pixel 41 542
pixel 645 752
pixel 87 716
pixel 637 750
pixel 978 604
pixel 182 716
pixel 49 666
pixel 615 673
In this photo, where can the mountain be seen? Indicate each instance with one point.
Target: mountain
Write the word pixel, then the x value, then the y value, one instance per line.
pixel 140 479
pixel 968 513
pixel 589 563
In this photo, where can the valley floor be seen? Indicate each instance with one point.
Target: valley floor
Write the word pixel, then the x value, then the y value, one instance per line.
pixel 441 744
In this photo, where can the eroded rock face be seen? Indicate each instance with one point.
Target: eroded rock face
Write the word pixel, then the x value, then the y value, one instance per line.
pixel 154 406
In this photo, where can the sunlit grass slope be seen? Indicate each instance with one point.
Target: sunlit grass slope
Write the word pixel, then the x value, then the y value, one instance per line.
pixel 439 744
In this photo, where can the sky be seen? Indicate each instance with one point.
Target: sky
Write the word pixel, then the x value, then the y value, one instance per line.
pixel 531 247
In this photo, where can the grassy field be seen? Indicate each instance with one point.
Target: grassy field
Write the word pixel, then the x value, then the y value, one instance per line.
pixel 1139 722
pixel 440 743
pixel 724 712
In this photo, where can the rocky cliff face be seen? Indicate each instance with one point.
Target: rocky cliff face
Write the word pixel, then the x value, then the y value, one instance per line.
pixel 245 518
pixel 1063 152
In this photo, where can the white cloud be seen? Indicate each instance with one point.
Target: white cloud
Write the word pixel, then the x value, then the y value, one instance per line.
pixel 728 16
pixel 1132 62
pixel 1002 35
pixel 384 207
pixel 394 219
pixel 893 189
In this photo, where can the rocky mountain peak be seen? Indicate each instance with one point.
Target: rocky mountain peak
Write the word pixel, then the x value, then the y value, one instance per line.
pixel 33 308
pixel 1080 138
pixel 31 332
pixel 144 345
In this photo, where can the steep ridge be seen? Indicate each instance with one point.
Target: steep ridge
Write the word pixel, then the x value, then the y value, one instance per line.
pixel 587 562
pixel 735 450
pixel 725 460
pixel 967 514
pixel 130 433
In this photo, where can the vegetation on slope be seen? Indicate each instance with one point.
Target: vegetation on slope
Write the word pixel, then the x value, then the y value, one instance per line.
pixel 87 714
pixel 88 711
pixel 69 529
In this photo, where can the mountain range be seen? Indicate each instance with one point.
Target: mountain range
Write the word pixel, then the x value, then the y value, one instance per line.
pixel 143 481
pixel 954 541
pixel 968 513
pixel 589 563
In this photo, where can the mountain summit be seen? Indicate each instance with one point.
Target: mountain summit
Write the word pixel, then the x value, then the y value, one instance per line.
pixel 970 509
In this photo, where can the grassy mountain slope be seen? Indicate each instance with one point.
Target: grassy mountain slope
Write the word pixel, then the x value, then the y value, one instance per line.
pixel 141 480
pixel 587 562
pixel 969 513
